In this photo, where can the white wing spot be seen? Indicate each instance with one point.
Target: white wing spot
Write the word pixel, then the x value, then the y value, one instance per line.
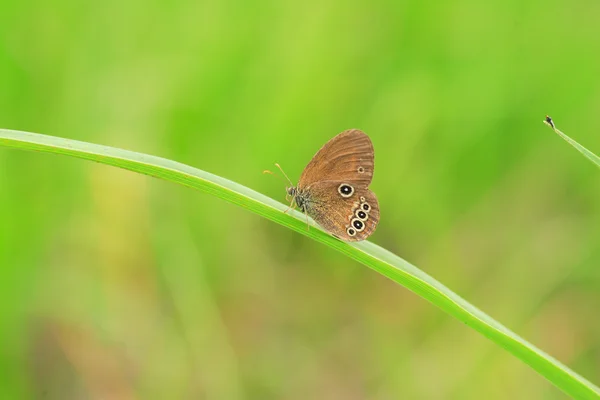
pixel 358 224
pixel 345 190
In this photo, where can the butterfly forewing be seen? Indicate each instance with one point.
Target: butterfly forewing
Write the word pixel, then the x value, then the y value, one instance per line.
pixel 348 156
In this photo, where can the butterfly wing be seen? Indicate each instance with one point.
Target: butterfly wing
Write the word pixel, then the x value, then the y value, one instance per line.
pixel 350 218
pixel 348 156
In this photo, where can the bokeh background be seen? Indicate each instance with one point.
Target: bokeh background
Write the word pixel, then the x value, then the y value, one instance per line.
pixel 119 286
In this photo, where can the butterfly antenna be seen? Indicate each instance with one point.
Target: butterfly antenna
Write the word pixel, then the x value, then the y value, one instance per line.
pixel 284 174
pixel 292 205
pixel 266 171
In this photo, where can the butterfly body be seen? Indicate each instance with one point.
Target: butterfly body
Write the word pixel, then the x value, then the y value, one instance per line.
pixel 333 189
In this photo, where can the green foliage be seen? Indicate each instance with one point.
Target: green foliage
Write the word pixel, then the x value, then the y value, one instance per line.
pixel 112 279
pixel 586 153
pixel 369 254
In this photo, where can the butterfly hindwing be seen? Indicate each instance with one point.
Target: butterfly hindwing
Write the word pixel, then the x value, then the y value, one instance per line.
pixel 351 217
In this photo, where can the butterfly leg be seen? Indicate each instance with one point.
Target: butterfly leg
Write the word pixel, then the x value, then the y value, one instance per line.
pixel 307 223
pixel 292 206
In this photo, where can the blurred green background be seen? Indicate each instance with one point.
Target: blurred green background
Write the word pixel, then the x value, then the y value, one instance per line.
pixel 119 286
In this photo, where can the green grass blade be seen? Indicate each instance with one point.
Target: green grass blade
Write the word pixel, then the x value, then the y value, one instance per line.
pixel 367 253
pixel 588 154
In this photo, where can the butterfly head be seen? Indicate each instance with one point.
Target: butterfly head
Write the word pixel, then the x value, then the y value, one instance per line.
pixel 291 192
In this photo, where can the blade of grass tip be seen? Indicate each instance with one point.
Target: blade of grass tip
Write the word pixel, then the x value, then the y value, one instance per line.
pixel 369 254
pixel 588 154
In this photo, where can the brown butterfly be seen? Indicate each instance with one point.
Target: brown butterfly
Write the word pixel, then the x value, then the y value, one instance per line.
pixel 334 187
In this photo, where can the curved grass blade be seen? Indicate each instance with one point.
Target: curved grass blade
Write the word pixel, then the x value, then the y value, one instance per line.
pixel 588 154
pixel 369 254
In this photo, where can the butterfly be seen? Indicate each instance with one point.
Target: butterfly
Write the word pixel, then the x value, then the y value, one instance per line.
pixel 334 187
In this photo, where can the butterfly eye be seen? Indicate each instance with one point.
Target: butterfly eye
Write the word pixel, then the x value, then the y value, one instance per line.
pixel 358 224
pixel 346 190
pixel 351 232
pixel 363 216
pixel 366 207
